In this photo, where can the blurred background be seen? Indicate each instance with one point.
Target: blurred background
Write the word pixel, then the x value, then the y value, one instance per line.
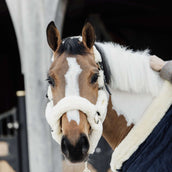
pixel 25 141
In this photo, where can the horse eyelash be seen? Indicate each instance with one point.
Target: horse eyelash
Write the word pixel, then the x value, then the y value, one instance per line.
pixel 94 78
pixel 51 81
pixel 46 96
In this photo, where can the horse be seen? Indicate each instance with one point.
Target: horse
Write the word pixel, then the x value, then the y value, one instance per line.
pixel 105 89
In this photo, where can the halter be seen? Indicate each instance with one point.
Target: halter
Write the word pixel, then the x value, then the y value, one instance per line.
pixel 95 113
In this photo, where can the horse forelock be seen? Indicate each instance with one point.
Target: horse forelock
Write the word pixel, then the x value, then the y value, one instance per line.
pixel 72 46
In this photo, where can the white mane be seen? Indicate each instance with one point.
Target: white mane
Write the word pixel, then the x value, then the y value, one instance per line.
pixel 131 70
pixel 133 83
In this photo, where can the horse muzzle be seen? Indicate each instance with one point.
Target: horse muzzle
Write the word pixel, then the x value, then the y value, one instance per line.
pixel 75 153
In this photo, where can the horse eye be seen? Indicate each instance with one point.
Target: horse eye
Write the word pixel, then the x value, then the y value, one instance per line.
pixel 51 81
pixel 94 78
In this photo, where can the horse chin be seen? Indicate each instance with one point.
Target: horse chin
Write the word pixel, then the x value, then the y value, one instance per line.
pixel 76 160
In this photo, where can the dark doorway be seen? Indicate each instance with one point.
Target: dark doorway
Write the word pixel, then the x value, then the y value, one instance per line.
pixel 136 24
pixel 13 128
pixel 10 66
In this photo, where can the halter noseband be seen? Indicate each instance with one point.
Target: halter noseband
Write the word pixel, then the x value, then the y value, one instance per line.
pixel 95 113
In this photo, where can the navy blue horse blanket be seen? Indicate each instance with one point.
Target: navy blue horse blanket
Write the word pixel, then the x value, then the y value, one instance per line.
pixel 155 153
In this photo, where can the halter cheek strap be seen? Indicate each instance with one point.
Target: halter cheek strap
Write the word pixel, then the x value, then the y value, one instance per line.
pixel 96 113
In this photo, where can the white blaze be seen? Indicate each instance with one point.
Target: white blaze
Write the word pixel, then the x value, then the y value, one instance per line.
pixel 72 86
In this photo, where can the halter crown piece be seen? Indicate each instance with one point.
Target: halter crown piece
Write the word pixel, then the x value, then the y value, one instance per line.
pixel 96 113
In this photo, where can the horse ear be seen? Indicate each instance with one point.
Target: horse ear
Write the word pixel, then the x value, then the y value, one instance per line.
pixel 88 35
pixel 53 36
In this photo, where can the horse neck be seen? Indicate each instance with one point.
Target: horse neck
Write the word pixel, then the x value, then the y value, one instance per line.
pixel 134 85
pixel 115 127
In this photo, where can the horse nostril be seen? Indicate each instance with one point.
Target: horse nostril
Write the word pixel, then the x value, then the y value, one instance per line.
pixel 84 150
pixel 84 142
pixel 64 146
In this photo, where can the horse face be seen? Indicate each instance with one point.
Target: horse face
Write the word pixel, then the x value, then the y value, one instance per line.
pixel 73 73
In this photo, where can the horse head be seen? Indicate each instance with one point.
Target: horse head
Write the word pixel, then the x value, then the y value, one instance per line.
pixel 74 92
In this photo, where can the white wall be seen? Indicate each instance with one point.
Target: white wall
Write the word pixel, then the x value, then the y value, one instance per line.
pixel 30 19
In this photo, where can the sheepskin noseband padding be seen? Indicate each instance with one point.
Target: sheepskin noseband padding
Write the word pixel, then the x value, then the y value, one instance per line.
pixel 54 113
pixel 95 113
